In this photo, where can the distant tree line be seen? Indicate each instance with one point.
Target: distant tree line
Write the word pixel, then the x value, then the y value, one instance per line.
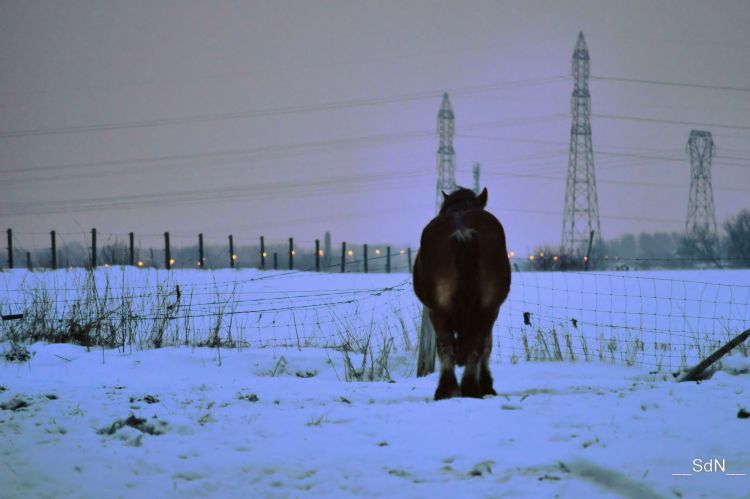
pixel 730 248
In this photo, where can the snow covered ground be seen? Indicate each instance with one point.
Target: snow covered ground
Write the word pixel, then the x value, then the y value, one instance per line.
pixel 274 415
pixel 281 422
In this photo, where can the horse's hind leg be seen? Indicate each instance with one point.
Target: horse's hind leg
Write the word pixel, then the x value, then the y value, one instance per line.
pixel 485 378
pixel 477 380
pixel 473 345
pixel 470 382
pixel 448 385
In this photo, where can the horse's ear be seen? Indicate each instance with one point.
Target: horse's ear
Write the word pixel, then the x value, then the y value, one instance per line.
pixel 444 195
pixel 482 198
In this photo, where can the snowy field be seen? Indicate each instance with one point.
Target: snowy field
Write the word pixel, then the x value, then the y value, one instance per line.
pixel 180 422
pixel 274 408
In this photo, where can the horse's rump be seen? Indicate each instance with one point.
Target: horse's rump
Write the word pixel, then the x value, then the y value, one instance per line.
pixel 462 276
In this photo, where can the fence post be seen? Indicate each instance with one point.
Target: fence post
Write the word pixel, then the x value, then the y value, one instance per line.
pixel 53 250
pixel 695 372
pixel 291 253
pixel 343 257
pixel 275 261
pixel 167 252
pixel 365 249
pixel 232 256
pixel 93 248
pixel 132 249
pixel 28 260
pixel 388 259
pixel 10 248
pixel 408 252
pixel 426 356
pixel 317 255
pixel 588 252
pixel 201 257
pixel 262 253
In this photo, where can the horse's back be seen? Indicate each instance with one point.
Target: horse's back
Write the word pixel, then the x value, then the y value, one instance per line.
pixel 438 276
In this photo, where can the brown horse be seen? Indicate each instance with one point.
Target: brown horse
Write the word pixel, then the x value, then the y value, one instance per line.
pixel 462 276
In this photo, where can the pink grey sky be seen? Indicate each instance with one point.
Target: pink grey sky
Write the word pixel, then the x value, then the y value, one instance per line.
pixel 292 118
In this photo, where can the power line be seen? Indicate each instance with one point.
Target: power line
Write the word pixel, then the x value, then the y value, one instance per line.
pixel 262 191
pixel 260 150
pixel 266 150
pixel 309 108
pixel 614 217
pixel 604 152
pixel 612 181
pixel 670 122
pixel 332 186
pixel 672 83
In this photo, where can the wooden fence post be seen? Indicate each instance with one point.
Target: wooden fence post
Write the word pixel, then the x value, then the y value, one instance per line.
pixel 262 253
pixel 291 253
pixel 232 256
pixel 365 260
pixel 694 373
pixel 28 260
pixel 275 261
pixel 408 252
pixel 317 255
pixel 201 256
pixel 388 260
pixel 53 250
pixel 343 257
pixel 167 252
pixel 588 252
pixel 132 249
pixel 10 248
pixel 426 356
pixel 93 248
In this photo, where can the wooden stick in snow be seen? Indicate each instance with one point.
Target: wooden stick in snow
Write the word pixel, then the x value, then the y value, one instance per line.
pixel 694 373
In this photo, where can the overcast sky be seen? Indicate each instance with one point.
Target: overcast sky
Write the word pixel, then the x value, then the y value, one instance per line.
pixel 287 119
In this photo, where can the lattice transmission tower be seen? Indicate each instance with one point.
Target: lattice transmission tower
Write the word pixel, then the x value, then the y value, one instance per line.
pixel 701 215
pixel 581 214
pixel 446 155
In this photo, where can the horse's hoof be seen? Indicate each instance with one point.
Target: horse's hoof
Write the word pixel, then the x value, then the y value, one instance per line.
pixel 447 394
pixel 471 391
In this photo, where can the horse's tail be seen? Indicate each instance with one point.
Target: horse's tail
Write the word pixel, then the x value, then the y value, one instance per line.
pixel 466 257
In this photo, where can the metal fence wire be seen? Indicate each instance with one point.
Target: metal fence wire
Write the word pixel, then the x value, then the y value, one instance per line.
pixel 660 320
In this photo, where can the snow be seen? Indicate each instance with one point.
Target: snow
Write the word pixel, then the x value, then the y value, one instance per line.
pixel 275 417
pixel 573 429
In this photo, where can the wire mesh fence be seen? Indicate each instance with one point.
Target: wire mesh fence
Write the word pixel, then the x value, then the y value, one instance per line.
pixel 660 320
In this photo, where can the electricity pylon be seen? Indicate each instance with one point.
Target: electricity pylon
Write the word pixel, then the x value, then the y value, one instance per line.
pixel 700 226
pixel 446 155
pixel 581 214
